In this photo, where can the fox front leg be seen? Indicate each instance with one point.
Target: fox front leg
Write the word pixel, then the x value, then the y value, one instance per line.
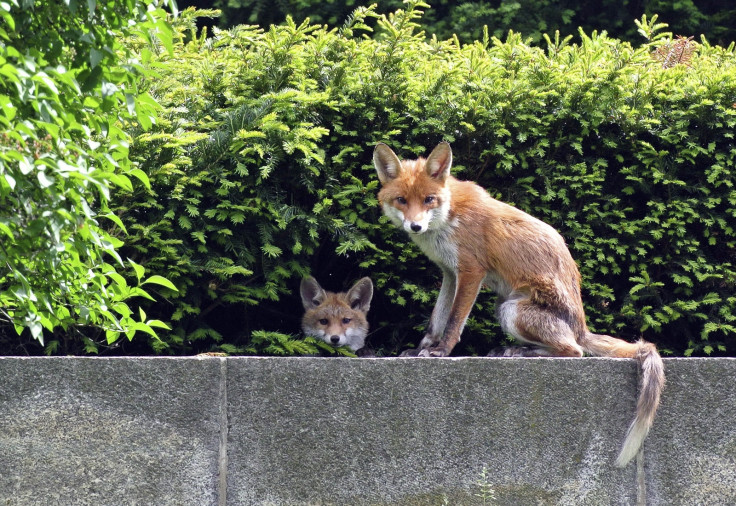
pixel 441 311
pixel 467 288
pixel 440 314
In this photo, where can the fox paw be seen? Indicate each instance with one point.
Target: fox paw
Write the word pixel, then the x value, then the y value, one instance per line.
pixel 412 352
pixel 513 351
pixel 365 353
pixel 434 351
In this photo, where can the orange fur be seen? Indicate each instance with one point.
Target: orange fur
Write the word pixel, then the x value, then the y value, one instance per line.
pixel 477 240
pixel 339 319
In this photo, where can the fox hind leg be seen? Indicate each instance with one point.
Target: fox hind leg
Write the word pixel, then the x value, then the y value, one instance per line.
pixel 543 332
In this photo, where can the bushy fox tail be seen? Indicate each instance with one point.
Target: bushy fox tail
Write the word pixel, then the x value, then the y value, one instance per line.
pixel 650 386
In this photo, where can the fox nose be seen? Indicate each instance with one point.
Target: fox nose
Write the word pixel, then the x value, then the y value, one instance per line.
pixel 416 227
pixel 335 339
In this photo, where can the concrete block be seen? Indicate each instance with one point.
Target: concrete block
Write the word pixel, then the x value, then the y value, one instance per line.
pixel 691 449
pixel 93 431
pixel 329 431
pixel 420 431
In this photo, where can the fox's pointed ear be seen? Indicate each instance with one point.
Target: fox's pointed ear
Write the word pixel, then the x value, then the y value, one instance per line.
pixel 439 161
pixel 312 294
pixel 360 295
pixel 387 163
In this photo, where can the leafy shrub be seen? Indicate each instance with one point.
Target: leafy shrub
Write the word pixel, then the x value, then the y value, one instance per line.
pixel 260 171
pixel 65 96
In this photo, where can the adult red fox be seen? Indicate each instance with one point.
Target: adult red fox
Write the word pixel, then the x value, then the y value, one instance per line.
pixel 338 319
pixel 475 240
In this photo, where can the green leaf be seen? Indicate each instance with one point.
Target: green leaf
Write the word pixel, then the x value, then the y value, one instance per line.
pixel 138 269
pixel 115 219
pixel 160 280
pixel 141 176
pixel 95 56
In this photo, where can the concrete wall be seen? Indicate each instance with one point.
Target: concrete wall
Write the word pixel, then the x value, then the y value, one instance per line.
pixel 314 431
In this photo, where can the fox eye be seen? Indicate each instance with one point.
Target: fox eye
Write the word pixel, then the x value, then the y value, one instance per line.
pixel 323 321
pixel 429 199
pixel 346 320
pixel 401 200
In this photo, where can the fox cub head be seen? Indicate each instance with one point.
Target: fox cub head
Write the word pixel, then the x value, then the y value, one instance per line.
pixel 413 194
pixel 338 319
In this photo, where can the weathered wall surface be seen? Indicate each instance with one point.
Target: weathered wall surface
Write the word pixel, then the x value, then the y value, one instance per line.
pixel 313 431
pixel 109 431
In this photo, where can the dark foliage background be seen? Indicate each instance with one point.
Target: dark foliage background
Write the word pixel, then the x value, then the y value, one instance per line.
pixel 715 20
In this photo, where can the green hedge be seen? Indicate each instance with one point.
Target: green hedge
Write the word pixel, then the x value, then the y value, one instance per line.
pixel 260 171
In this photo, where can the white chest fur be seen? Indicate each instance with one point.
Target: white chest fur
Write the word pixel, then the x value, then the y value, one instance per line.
pixel 439 246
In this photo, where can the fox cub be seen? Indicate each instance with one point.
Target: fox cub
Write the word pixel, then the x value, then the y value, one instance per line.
pixel 476 240
pixel 338 319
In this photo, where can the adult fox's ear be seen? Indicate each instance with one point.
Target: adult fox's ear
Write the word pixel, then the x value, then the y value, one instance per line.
pixel 439 161
pixel 386 162
pixel 360 295
pixel 312 294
